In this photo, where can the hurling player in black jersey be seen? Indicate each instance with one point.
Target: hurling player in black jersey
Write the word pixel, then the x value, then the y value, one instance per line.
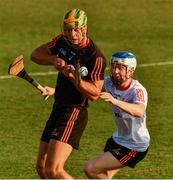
pixel 67 52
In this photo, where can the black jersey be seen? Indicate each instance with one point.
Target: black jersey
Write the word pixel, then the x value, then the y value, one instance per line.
pixel 89 56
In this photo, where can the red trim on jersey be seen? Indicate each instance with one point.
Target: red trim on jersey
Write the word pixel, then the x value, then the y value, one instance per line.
pixel 95 74
pixel 83 45
pixel 121 88
pixel 70 125
pixel 127 157
pixel 53 42
pixel 140 95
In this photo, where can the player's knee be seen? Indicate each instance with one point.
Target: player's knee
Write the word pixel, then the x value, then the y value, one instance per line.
pixel 53 172
pixel 88 169
pixel 50 172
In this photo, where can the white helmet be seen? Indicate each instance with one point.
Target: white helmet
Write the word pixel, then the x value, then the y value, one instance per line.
pixel 126 58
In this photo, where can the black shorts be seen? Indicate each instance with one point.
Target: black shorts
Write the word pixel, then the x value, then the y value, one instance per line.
pixel 66 124
pixel 126 157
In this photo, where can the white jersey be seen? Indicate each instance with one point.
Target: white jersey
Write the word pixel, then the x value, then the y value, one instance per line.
pixel 131 131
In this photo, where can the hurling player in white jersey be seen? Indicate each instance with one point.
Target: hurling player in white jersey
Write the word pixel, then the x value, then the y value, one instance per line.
pixel 129 143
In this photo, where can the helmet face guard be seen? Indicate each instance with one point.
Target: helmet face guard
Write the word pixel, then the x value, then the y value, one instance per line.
pixel 126 59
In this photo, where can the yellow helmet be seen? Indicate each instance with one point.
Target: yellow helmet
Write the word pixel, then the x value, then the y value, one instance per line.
pixel 75 18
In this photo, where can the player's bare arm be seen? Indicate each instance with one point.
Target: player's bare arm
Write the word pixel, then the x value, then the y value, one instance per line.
pixel 42 55
pixel 133 109
pixel 90 89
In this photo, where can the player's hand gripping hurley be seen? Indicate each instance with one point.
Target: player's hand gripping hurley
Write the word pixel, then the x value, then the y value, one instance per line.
pixel 16 68
pixel 78 72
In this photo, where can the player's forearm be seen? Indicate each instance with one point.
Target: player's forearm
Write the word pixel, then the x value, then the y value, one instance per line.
pixel 89 89
pixel 133 109
pixel 42 55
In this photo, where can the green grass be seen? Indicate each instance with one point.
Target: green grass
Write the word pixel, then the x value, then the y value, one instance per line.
pixel 143 27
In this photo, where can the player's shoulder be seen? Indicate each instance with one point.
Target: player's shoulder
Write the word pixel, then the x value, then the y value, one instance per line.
pixel 55 40
pixel 58 37
pixel 95 49
pixel 137 85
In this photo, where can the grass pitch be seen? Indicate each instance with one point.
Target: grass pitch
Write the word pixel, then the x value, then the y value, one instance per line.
pixel 143 27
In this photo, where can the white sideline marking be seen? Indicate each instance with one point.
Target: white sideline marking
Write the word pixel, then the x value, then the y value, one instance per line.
pixel 156 64
pixel 55 72
pixel 32 74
